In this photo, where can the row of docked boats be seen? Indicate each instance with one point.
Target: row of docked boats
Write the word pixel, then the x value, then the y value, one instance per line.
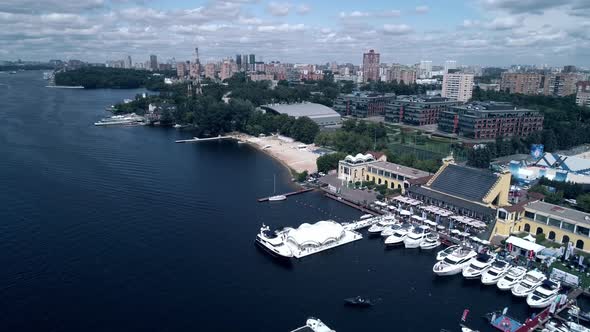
pixel 534 285
pixel 397 234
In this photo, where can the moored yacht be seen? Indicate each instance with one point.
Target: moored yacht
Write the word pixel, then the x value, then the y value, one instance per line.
pixel 274 243
pixel 381 225
pixel 415 237
pixel 528 284
pixel 454 263
pixel 125 119
pixel 478 266
pixel 397 238
pixel 388 230
pixel 431 241
pixel 314 325
pixel 445 252
pixel 511 278
pixel 544 294
pixel 498 269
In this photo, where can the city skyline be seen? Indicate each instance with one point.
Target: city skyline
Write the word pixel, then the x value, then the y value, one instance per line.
pixel 484 32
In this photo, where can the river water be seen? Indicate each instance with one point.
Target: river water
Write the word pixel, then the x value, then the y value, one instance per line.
pixel 120 229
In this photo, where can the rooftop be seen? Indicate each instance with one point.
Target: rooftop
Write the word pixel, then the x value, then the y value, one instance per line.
pixel 492 107
pixel 464 182
pixel 400 169
pixel 302 109
pixel 558 212
pixel 566 163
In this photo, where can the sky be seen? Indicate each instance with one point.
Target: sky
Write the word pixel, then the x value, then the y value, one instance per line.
pixel 472 32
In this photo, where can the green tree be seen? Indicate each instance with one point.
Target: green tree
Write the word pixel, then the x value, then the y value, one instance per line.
pixel 583 202
pixel 329 162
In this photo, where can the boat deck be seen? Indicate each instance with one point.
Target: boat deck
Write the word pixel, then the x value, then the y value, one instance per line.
pixel 506 323
pixel 303 329
pixel 265 199
pixel 349 236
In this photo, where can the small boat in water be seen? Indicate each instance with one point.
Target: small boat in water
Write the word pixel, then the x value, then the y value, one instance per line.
pixel 358 301
pixel 528 284
pixel 445 252
pixel 498 269
pixel 478 266
pixel 454 263
pixel 511 278
pixel 366 216
pixel 276 198
pixel 544 294
pixel 397 238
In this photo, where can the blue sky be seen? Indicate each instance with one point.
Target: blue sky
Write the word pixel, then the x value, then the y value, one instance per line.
pixel 484 32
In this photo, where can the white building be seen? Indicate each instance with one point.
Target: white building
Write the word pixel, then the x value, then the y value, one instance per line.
pixel 425 69
pixel 450 64
pixel 457 86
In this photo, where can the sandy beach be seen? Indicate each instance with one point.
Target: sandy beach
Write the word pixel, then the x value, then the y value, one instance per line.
pixel 289 153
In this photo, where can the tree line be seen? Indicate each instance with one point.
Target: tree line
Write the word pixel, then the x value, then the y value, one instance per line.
pixel 112 78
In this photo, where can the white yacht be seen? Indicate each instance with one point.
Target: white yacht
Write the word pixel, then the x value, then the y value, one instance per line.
pixel 381 225
pixel 388 230
pixel 498 269
pixel 416 236
pixel 544 294
pixel 431 241
pixel 397 238
pixel 125 119
pixel 445 252
pixel 478 266
pixel 528 284
pixel 366 216
pixel 277 198
pixel 511 278
pixel 274 243
pixel 314 325
pixel 454 263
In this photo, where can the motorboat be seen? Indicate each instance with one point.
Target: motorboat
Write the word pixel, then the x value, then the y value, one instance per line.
pixel 511 278
pixel 498 269
pixel 478 266
pixel 358 301
pixel 314 325
pixel 577 313
pixel 528 284
pixel 366 216
pixel 397 238
pixel 415 237
pixel 544 294
pixel 388 230
pixel 429 242
pixel 273 243
pixel 445 252
pixel 276 198
pixel 377 228
pixel 454 263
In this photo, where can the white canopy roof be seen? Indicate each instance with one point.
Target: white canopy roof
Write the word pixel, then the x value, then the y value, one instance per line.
pixel 524 244
pixel 316 234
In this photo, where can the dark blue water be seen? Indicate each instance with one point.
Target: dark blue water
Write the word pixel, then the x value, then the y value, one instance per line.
pixel 120 229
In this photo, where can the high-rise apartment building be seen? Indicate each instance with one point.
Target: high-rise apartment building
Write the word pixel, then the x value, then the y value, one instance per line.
pixel 561 85
pixel 244 62
pixel 583 93
pixel 523 83
pixel 425 69
pixel 128 63
pixel 239 61
pixel 398 73
pixel 210 70
pixel 457 86
pixel 153 62
pixel 227 69
pixel 182 69
pixel 450 65
pixel 371 66
pixel 251 62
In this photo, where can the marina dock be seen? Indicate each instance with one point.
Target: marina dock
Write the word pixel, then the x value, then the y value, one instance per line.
pixel 353 226
pixel 196 139
pixel 351 204
pixel 265 199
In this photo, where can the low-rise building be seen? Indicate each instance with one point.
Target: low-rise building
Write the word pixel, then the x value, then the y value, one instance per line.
pixel 363 105
pixel 417 110
pixel 559 224
pixel 322 115
pixel 488 120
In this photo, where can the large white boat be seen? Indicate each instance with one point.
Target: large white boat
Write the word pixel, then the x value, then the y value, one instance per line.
pixel 445 252
pixel 528 284
pixel 544 294
pixel 381 225
pixel 511 278
pixel 273 243
pixel 126 119
pixel 498 269
pixel 313 325
pixel 454 263
pixel 416 236
pixel 478 266
pixel 388 230
pixel 431 241
pixel 397 238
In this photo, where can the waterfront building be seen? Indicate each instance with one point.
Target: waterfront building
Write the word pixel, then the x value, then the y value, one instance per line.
pixel 559 224
pixel 583 93
pixel 153 62
pixel 561 85
pixel 488 120
pixel 468 191
pixel 458 86
pixel 367 167
pixel 523 83
pixel 371 62
pixel 363 105
pixel 320 114
pixel 417 110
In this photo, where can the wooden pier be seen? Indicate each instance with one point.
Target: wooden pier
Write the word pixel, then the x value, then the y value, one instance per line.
pixel 265 199
pixel 351 204
pixel 196 139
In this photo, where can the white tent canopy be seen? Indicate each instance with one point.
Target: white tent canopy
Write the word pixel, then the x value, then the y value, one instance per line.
pixel 524 244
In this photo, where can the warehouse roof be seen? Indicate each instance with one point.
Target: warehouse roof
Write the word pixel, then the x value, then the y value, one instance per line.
pixel 558 212
pixel 302 109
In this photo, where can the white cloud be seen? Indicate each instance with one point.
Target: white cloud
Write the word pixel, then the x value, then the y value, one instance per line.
pixel 422 9
pixel 303 9
pixel 355 13
pixel 504 23
pixel 281 28
pixel 397 29
pixel 279 8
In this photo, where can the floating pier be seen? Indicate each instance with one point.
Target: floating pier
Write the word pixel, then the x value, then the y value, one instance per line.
pixel 265 199
pixel 351 204
pixel 196 139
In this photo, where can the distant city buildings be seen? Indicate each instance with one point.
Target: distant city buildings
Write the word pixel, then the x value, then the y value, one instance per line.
pixel 153 62
pixel 583 93
pixel 371 62
pixel 425 69
pixel 399 73
pixel 450 65
pixel 561 84
pixel 488 120
pixel 523 83
pixel 210 70
pixel 458 86
pixel 417 110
